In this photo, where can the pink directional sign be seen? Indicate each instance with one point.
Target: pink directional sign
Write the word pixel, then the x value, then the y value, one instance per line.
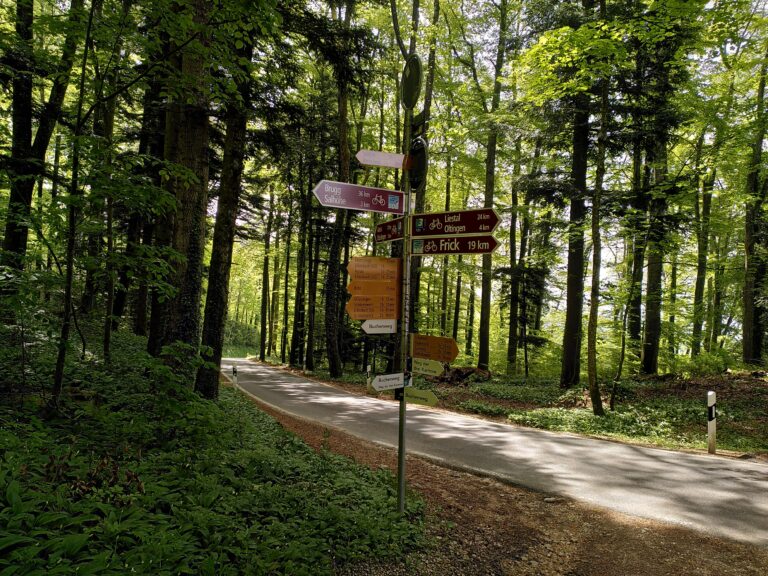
pixel 392 230
pixel 482 221
pixel 353 197
pixel 456 245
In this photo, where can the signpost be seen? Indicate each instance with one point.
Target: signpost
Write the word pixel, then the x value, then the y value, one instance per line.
pixel 363 307
pixel 381 159
pixel 434 348
pixel 455 245
pixel 464 222
pixel 390 230
pixel 383 326
pixel 425 397
pixel 427 367
pixel 375 268
pixel 353 197
pixel 389 381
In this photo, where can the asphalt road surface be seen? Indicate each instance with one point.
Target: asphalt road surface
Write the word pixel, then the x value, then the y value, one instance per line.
pixel 722 496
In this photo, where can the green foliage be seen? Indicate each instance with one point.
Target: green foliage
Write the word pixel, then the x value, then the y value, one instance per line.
pixel 541 394
pixel 145 477
pixel 483 408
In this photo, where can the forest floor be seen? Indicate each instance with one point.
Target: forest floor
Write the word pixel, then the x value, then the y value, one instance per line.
pixel 480 526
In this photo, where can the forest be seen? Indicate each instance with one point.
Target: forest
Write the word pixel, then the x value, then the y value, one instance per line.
pixel 159 161
pixel 157 167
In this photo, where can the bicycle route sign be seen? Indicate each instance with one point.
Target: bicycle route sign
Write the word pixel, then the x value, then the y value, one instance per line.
pixel 455 245
pixel 390 230
pixel 463 222
pixel 353 197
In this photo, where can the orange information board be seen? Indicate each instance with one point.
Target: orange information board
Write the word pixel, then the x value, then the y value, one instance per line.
pixel 375 288
pixel 379 307
pixel 374 268
pixel 434 348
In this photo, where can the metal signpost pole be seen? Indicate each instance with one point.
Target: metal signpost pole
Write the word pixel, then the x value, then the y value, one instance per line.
pixel 404 326
pixel 411 88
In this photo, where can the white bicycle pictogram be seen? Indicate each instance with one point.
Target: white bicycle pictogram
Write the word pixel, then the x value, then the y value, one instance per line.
pixel 436 224
pixel 430 246
pixel 378 199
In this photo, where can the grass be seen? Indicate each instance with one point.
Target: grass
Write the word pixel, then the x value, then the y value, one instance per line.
pixel 146 478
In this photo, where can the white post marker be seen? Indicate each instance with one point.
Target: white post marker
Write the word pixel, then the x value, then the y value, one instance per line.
pixel 711 421
pixel 234 375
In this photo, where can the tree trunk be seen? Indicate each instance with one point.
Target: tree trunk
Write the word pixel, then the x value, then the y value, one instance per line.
pixel 755 237
pixel 470 318
pixel 571 360
pixel 217 294
pixel 483 359
pixel 265 280
pixel 27 156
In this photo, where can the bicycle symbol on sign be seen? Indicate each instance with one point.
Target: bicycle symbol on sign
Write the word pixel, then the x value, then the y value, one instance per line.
pixel 430 246
pixel 436 224
pixel 378 199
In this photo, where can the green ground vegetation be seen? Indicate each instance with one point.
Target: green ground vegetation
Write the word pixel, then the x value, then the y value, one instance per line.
pixel 136 474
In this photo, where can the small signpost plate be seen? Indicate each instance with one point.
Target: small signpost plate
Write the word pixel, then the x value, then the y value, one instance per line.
pixel 375 268
pixel 434 348
pixel 389 381
pixel 353 197
pixel 463 222
pixel 374 287
pixel 380 326
pixel 380 159
pixel 424 397
pixel 455 245
pixel 391 230
pixel 363 307
pixel 427 367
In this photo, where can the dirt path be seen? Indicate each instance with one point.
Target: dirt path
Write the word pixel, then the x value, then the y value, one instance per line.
pixel 483 527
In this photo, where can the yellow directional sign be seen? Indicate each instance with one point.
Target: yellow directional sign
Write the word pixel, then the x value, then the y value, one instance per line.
pixel 427 366
pixel 425 397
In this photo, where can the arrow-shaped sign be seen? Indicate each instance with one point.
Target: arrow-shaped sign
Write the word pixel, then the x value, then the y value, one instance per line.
pixel 380 326
pixel 482 221
pixel 390 230
pixel 427 367
pixel 353 197
pixel 455 245
pixel 389 381
pixel 374 287
pixel 374 268
pixel 433 348
pixel 380 159
pixel 425 397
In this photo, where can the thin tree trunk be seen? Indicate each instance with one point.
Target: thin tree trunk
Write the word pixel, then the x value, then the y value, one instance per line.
pixel 265 280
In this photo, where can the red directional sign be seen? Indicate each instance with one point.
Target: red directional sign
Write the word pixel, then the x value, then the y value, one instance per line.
pixel 482 221
pixel 391 230
pixel 353 197
pixel 456 245
pixel 380 159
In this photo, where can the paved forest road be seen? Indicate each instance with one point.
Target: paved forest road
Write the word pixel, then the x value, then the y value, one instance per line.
pixel 722 496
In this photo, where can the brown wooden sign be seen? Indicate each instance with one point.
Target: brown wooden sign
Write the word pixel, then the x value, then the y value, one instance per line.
pixel 482 221
pixel 434 348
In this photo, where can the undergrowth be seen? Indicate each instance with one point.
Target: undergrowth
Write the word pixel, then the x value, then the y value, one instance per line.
pixel 138 475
